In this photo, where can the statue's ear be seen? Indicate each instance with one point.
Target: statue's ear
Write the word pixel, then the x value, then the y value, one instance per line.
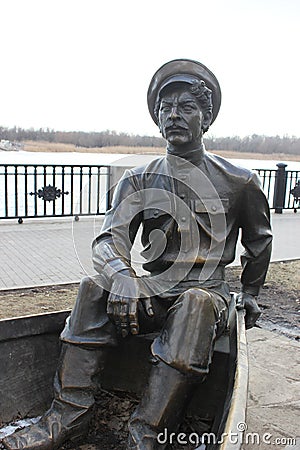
pixel 159 125
pixel 207 118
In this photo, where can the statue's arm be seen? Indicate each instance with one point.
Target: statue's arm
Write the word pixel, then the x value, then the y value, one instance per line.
pixel 111 249
pixel 111 256
pixel 257 242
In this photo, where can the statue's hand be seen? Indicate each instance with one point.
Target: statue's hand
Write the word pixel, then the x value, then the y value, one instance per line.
pixel 248 302
pixel 122 304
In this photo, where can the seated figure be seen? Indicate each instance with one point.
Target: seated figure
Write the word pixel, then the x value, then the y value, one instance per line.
pixel 191 205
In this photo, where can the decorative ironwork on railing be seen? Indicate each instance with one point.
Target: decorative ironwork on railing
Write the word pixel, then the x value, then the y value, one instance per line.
pixel 34 190
pixel 281 187
pixel 29 191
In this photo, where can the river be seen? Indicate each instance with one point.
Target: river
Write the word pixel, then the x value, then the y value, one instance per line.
pixel 22 157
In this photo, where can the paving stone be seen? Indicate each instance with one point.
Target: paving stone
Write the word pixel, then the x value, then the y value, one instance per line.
pixel 274 389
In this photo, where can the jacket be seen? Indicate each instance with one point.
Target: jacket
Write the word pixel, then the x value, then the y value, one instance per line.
pixel 191 215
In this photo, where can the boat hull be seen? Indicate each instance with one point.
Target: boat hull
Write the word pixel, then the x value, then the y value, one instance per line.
pixel 29 352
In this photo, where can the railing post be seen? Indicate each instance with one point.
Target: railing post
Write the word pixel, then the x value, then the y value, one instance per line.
pixel 280 188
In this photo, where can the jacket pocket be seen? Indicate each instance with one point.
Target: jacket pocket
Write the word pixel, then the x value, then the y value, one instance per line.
pixel 210 206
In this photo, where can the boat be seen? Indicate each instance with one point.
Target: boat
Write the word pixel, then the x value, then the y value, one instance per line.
pixel 9 146
pixel 29 351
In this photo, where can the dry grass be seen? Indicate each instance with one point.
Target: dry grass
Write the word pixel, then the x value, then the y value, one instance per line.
pixel 33 146
pixel 261 156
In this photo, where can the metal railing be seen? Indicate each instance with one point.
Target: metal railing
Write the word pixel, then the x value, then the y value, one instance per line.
pixel 34 190
pixel 281 187
pixel 267 177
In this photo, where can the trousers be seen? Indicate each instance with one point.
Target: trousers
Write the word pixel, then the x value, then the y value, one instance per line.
pixel 186 324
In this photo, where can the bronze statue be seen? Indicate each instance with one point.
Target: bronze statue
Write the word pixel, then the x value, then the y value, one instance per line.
pixel 191 205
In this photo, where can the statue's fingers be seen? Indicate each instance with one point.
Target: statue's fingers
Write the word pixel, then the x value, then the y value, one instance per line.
pixel 148 306
pixel 133 316
pixel 252 312
pixel 240 303
pixel 110 307
pixel 251 319
pixel 115 310
pixel 124 318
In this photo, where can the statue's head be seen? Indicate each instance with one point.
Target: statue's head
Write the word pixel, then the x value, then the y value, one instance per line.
pixel 183 94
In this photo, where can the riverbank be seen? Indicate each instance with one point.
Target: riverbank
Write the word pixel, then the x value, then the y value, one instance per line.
pixel 41 146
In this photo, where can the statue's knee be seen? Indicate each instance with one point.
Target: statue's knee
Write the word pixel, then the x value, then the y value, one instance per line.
pixel 86 282
pixel 198 300
pixel 90 285
pixel 199 295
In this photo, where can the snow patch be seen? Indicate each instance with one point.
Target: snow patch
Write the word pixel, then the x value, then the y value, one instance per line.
pixel 18 424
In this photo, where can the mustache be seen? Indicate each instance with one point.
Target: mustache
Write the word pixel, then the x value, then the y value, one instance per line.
pixel 177 126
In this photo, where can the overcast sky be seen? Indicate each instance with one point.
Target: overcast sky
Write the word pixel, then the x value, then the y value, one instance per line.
pixel 86 64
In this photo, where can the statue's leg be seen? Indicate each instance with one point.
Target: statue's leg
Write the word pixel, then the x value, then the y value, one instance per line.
pixel 162 407
pixel 80 361
pixel 186 341
pixel 184 349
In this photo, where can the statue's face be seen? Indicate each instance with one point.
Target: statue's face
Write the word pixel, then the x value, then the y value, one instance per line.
pixel 180 117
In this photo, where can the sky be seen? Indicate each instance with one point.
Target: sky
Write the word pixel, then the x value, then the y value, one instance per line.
pixel 86 64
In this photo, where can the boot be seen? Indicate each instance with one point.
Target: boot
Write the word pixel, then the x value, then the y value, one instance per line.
pixel 162 407
pixel 70 412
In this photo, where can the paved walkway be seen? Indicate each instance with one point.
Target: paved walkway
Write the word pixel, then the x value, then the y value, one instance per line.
pixel 51 252
pixel 44 253
pixel 274 391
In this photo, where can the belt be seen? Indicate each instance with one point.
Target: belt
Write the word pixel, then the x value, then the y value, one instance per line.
pixel 202 273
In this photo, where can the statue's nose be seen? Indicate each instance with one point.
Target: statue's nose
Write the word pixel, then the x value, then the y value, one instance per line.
pixel 174 112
